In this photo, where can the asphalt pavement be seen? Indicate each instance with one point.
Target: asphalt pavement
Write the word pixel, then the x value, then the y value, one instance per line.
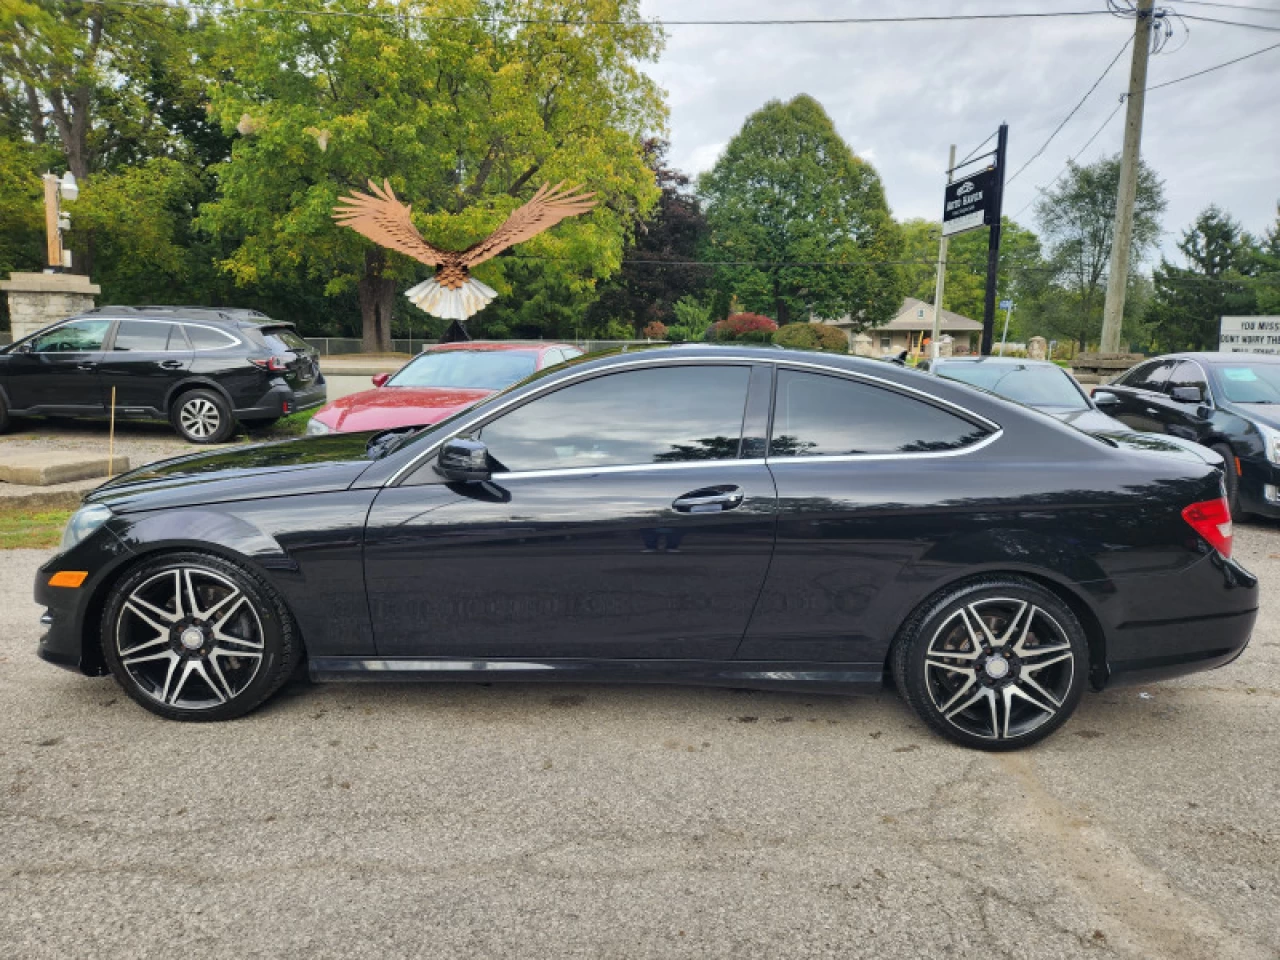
pixel 541 821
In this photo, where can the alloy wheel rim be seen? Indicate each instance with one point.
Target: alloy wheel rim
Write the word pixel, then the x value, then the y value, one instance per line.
pixel 199 417
pixel 189 638
pixel 999 668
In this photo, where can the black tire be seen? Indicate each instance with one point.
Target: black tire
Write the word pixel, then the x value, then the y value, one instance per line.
pixel 5 420
pixel 248 649
pixel 956 684
pixel 1231 479
pixel 202 416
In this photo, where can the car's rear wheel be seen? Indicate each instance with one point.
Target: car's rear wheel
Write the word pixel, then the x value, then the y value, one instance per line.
pixel 4 415
pixel 203 416
pixel 997 663
pixel 192 636
pixel 1230 478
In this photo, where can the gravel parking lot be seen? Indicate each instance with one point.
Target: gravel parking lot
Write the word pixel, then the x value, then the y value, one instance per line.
pixel 564 821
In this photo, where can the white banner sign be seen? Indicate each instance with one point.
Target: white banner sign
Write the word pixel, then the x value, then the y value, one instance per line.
pixel 1249 335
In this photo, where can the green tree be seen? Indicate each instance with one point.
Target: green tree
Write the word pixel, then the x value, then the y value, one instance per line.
pixel 465 117
pixel 1077 220
pixel 1188 302
pixel 787 198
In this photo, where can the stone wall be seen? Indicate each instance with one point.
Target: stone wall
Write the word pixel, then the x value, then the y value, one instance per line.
pixel 39 299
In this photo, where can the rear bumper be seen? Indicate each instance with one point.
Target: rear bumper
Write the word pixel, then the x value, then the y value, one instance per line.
pixel 281 400
pixel 1198 619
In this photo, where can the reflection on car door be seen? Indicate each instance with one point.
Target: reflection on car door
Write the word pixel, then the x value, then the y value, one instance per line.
pixel 857 474
pixel 58 373
pixel 145 359
pixel 621 522
pixel 1187 419
pixel 1141 396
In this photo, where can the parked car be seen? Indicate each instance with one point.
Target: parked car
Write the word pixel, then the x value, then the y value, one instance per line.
pixel 202 369
pixel 1228 402
pixel 437 383
pixel 733 516
pixel 1035 383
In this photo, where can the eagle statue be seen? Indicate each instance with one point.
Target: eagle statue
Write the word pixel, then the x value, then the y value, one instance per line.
pixel 452 293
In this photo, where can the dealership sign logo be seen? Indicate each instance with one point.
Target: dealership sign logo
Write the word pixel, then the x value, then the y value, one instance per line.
pixel 970 203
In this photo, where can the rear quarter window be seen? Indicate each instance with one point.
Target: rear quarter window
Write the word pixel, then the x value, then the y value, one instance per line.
pixel 282 339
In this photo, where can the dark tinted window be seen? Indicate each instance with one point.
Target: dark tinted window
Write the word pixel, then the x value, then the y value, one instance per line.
pixel 143 335
pixel 1188 374
pixel 284 339
pixel 207 338
pixel 1150 377
pixel 641 416
pixel 817 415
pixel 78 337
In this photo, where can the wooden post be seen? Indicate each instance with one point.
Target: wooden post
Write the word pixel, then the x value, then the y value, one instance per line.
pixel 53 236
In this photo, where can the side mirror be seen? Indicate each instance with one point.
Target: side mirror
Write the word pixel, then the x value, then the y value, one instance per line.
pixel 1186 395
pixel 463 461
pixel 1105 398
pixel 379 379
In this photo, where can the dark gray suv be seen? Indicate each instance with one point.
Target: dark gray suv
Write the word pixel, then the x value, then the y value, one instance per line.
pixel 200 368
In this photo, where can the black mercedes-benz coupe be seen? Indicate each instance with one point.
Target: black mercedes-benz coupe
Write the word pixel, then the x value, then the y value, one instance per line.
pixel 708 515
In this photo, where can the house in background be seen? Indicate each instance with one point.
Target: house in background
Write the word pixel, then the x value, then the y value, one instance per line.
pixel 910 327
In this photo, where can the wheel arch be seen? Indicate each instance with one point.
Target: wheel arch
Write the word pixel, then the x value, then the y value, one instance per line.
pixel 196 383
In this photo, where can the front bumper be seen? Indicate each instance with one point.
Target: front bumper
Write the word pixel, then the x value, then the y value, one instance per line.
pixel 1260 487
pixel 282 400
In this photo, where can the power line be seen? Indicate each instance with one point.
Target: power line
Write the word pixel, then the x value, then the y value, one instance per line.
pixel 586 22
pixel 1232 6
pixel 1227 63
pixel 1229 23
pixel 1058 128
pixel 1072 159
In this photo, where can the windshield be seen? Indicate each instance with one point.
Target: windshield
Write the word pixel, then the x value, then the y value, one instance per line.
pixel 1034 386
pixel 1246 382
pixel 474 369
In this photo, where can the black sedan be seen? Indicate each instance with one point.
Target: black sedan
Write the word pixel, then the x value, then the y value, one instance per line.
pixel 708 515
pixel 1229 402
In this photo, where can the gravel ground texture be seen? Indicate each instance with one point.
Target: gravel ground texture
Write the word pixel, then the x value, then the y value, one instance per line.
pixel 539 821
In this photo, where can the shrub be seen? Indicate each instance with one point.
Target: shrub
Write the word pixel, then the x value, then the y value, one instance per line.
pixel 679 334
pixel 655 330
pixel 812 336
pixel 743 328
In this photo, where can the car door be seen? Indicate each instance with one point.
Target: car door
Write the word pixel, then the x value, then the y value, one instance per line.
pixel 1141 397
pixel 144 359
pixel 857 467
pixel 622 521
pixel 1189 419
pixel 56 371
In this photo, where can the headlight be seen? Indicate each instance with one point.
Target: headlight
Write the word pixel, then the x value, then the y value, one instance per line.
pixel 82 523
pixel 317 427
pixel 1270 442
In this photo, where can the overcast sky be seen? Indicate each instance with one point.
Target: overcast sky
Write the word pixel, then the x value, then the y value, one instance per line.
pixel 901 93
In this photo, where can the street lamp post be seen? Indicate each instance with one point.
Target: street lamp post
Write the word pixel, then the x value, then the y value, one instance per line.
pixel 55 221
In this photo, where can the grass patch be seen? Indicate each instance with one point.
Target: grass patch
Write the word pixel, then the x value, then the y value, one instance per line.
pixel 31 529
pixel 294 425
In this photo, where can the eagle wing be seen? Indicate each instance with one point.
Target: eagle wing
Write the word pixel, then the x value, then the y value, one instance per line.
pixel 547 207
pixel 385 220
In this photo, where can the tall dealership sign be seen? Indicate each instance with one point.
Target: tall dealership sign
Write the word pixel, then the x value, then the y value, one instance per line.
pixel 976 200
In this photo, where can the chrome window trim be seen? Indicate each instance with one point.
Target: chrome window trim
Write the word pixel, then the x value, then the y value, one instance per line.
pixel 627 468
pixel 1208 384
pixel 995 428
pixel 120 320
pixel 914 455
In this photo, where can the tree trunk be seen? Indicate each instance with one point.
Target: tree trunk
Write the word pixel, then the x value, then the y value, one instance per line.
pixel 377 296
pixel 37 115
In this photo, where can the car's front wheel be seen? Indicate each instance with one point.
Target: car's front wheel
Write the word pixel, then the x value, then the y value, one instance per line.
pixel 996 664
pixel 192 636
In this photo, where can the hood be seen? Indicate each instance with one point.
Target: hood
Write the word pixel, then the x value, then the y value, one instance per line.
pixel 1264 413
pixel 309 465
pixel 384 408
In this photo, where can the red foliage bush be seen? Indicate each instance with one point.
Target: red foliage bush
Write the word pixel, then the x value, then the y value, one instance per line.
pixel 656 330
pixel 749 327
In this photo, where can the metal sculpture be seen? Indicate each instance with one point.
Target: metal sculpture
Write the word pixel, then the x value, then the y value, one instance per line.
pixel 452 293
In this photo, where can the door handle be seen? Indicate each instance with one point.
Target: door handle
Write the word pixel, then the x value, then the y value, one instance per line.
pixel 709 500
pixel 171 364
pixel 87 365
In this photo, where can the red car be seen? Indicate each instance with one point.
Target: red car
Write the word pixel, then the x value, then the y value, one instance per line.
pixel 436 383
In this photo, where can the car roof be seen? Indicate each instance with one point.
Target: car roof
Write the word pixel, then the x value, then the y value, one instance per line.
pixel 496 345
pixel 238 316
pixel 1220 356
pixel 997 361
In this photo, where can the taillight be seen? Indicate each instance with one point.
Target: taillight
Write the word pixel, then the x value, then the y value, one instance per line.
pixel 274 364
pixel 1212 520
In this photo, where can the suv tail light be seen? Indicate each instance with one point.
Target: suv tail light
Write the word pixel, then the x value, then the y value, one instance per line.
pixel 1212 520
pixel 274 364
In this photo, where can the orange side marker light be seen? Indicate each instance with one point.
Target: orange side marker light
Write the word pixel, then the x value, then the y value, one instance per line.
pixel 1239 472
pixel 68 578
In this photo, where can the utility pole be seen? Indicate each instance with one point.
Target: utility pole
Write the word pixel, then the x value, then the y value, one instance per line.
pixel 993 246
pixel 1122 232
pixel 1008 312
pixel 942 274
